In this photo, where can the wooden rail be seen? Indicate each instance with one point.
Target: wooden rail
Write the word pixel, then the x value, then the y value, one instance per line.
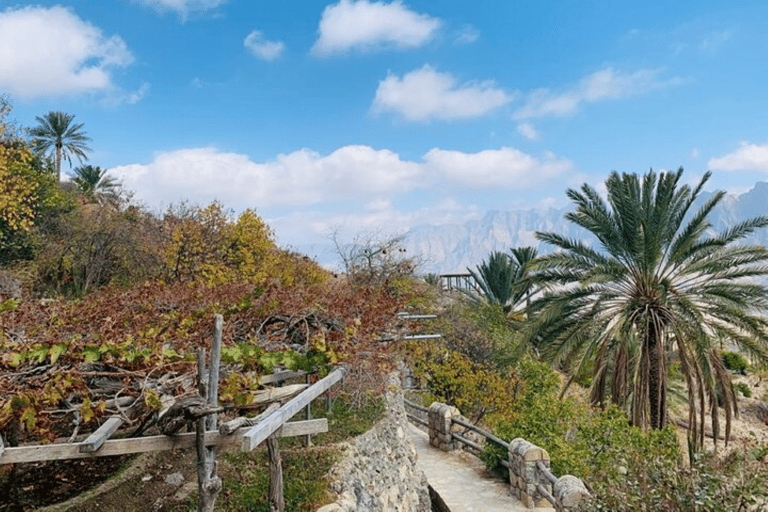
pixel 258 433
pixel 458 282
pixel 62 451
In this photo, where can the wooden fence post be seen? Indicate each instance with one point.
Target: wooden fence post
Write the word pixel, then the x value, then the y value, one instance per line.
pixel 276 499
pixel 208 483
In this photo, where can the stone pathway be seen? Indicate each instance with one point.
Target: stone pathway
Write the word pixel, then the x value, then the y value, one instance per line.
pixel 462 481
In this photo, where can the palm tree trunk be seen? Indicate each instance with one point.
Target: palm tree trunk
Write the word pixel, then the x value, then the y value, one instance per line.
pixel 657 392
pixel 58 159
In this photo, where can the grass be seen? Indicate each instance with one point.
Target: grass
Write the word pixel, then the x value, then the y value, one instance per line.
pixel 246 475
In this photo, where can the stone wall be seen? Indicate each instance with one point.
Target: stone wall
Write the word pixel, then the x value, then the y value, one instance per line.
pixel 378 472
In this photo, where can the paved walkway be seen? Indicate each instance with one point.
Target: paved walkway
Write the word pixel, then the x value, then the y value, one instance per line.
pixel 462 481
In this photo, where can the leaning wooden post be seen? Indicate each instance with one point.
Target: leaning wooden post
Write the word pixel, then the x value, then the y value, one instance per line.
pixel 208 483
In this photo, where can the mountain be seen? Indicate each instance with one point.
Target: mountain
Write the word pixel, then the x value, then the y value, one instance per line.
pixel 451 249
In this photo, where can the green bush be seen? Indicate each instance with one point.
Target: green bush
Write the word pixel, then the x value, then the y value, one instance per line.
pixel 735 362
pixel 743 388
pixel 712 483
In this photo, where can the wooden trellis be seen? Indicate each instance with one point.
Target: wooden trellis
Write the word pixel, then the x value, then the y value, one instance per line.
pixel 247 433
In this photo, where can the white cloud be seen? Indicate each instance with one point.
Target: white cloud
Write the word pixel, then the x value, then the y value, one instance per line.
pixel 504 167
pixel 263 48
pixel 360 174
pixel 426 94
pixel 52 52
pixel 182 7
pixel 303 177
pixel 528 131
pixel 467 35
pixel 714 40
pixel 365 25
pixel 694 154
pixel 605 84
pixel 749 157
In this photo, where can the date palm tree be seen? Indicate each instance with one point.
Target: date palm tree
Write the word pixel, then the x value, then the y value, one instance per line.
pixel 660 288
pixel 504 279
pixel 57 134
pixel 94 182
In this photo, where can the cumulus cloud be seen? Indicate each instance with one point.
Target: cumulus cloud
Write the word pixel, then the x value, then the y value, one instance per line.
pixel 304 177
pixel 181 7
pixel 748 157
pixel 426 94
pixel 364 25
pixel 504 167
pixel 52 52
pixel 262 47
pixel 605 84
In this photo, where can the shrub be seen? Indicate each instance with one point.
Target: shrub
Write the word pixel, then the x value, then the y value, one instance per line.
pixel 735 362
pixel 743 388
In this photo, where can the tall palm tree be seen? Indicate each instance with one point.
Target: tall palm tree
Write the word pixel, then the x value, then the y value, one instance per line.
pixel 94 182
pixel 56 134
pixel 660 287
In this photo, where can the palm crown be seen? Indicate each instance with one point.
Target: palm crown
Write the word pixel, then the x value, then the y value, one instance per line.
pixel 660 288
pixel 57 134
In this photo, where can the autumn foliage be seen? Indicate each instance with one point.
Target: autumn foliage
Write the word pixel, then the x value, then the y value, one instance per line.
pixel 146 289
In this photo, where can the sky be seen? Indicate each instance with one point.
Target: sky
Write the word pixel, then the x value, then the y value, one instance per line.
pixel 359 117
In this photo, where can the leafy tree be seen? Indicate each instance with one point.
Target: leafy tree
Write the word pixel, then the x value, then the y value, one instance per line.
pixel 94 183
pixel 57 134
pixel 660 285
pixel 504 280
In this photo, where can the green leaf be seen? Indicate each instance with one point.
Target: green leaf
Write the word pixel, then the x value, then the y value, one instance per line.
pixel 39 354
pixel 56 352
pixel 85 411
pixel 171 353
pixel 28 417
pixel 91 354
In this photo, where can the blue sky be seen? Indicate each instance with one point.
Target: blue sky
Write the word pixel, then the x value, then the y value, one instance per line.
pixel 361 116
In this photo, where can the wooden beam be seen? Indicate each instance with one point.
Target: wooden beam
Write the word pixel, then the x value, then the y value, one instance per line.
pixel 258 433
pixel 97 439
pixel 62 451
pixel 280 377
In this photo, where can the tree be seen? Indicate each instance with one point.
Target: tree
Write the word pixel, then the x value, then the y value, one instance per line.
pixel 660 289
pixel 57 134
pixel 94 182
pixel 504 280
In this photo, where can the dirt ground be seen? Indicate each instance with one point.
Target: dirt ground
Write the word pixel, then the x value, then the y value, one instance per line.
pixel 148 482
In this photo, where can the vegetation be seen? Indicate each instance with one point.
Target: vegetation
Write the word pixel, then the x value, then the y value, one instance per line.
pixel 132 293
pixel 659 282
pixel 95 184
pixel 56 134
pixel 505 279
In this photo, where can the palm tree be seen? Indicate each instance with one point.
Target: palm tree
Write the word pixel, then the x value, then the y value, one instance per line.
pixel 94 182
pixel 660 288
pixel 503 280
pixel 57 134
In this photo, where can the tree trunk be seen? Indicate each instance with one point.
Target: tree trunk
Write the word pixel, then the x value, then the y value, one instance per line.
pixel 58 160
pixel 657 389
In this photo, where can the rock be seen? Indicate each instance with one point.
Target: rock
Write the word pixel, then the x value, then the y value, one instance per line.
pixel 175 479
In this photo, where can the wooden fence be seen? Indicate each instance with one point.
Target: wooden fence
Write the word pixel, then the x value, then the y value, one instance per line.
pixel 247 433
pixel 531 480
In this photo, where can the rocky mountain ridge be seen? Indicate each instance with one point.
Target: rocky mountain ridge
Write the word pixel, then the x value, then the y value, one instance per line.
pixel 448 249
